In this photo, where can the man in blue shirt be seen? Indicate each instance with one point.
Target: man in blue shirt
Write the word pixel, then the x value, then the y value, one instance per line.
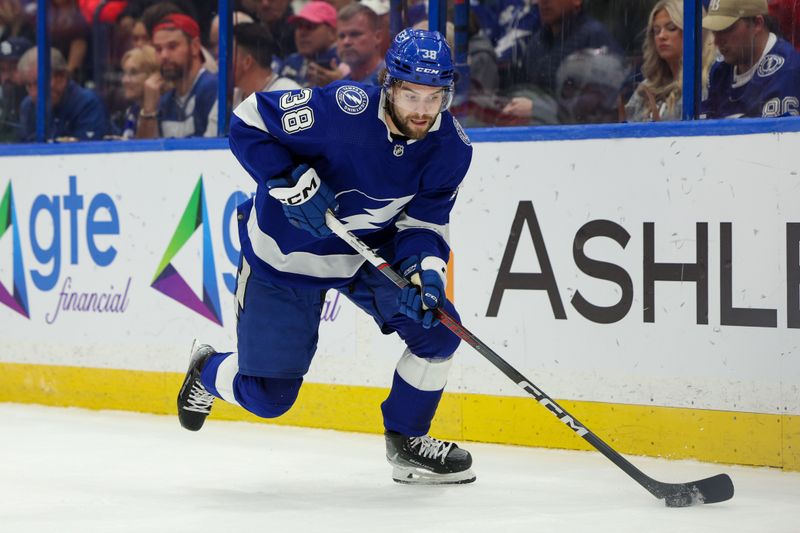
pixel 759 75
pixel 77 114
pixel 389 160
pixel 183 110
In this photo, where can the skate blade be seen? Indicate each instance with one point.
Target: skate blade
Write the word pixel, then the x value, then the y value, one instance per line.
pixel 418 476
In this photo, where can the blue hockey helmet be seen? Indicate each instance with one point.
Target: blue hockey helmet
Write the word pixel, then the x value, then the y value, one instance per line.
pixel 420 56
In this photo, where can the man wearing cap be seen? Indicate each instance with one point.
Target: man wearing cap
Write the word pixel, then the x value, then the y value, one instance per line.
pixel 759 75
pixel 183 110
pixel 76 113
pixel 359 42
pixel 315 38
pixel 12 91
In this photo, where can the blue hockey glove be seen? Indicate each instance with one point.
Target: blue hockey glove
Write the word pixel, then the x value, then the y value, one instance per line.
pixel 305 199
pixel 426 291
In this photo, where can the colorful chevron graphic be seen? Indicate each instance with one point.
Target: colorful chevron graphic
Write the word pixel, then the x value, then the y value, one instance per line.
pixel 169 281
pixel 17 298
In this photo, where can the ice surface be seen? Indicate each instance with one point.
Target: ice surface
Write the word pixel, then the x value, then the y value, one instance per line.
pixel 71 470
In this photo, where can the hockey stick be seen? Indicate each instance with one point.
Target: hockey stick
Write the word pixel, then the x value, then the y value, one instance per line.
pixel 714 489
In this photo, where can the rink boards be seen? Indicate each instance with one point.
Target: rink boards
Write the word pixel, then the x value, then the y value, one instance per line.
pixel 653 284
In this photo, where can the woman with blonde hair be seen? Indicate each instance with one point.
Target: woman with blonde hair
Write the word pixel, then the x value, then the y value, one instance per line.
pixel 660 95
pixel 137 65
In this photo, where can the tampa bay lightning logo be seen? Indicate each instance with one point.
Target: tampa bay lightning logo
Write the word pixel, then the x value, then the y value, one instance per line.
pixel 770 65
pixel 351 99
pixel 370 213
pixel 460 131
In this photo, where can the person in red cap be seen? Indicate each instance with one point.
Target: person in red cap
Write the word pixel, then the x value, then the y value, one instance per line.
pixel 181 111
pixel 315 38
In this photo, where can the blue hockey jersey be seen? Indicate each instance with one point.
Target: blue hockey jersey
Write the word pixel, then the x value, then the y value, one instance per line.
pixel 771 88
pixel 396 195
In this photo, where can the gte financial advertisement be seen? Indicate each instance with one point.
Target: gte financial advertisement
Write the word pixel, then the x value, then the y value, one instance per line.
pixel 649 271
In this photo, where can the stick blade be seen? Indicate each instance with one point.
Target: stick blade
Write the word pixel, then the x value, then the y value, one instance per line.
pixel 714 489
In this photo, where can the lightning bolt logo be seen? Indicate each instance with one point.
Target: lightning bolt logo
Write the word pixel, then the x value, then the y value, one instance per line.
pixel 374 218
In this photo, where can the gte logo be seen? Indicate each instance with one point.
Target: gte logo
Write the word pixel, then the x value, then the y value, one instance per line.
pixel 169 281
pixel 17 297
pixel 45 237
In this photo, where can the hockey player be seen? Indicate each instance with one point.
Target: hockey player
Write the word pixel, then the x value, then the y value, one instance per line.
pixel 388 160
pixel 759 75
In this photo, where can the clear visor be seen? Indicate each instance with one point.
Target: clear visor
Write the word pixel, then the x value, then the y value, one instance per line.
pixel 420 99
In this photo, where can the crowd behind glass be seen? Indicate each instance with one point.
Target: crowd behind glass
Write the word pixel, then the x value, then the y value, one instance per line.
pixel 145 68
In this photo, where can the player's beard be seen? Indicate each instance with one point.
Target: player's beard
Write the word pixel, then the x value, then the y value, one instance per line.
pixel 404 124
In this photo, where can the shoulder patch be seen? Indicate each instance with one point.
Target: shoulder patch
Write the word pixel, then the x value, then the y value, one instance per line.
pixel 460 131
pixel 351 99
pixel 770 65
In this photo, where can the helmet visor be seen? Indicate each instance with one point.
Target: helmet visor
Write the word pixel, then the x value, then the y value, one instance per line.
pixel 418 99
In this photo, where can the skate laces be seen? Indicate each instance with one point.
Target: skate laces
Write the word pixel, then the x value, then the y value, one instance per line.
pixel 430 447
pixel 199 400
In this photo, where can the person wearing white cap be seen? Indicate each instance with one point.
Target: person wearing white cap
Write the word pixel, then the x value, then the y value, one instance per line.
pixel 759 74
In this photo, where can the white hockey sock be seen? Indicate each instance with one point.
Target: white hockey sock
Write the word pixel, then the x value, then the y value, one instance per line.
pixel 424 374
pixel 226 372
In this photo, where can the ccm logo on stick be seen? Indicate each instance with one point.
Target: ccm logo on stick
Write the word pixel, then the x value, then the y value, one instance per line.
pixel 555 409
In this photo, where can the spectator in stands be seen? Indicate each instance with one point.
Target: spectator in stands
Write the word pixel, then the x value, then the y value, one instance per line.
pixel 787 15
pixel 588 87
pixel 12 92
pixel 139 35
pixel 759 75
pixel 200 10
pixel 252 68
pixel 182 110
pixel 237 17
pixel 660 95
pixel 76 113
pixel 565 29
pixel 154 14
pixel 381 8
pixel 138 64
pixel 12 20
pixel 69 34
pixel 358 46
pixel 315 38
pixel 274 15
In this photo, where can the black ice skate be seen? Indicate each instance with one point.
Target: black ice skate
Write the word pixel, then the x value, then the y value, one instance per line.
pixel 427 461
pixel 194 402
